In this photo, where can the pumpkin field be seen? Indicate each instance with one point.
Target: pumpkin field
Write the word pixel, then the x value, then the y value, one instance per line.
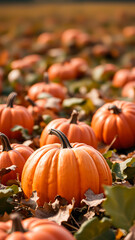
pixel 67 121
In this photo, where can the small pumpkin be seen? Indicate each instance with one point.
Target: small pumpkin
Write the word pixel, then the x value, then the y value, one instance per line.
pixel 68 70
pixel 25 62
pixel 75 131
pixel 54 89
pixel 32 228
pixel 115 119
pixel 12 115
pixel 123 76
pixel 14 154
pixel 129 90
pixel 64 169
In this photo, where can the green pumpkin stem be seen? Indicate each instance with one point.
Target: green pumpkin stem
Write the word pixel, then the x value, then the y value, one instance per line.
pixel 114 109
pixel 63 139
pixel 74 117
pixel 30 101
pixel 10 99
pixel 16 223
pixel 5 143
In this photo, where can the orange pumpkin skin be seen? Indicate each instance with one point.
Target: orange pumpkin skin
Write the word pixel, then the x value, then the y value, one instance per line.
pixel 123 76
pixel 34 228
pixel 65 170
pixel 115 119
pixel 25 62
pixel 54 89
pixel 12 115
pixel 74 130
pixel 61 71
pixel 14 154
pixel 129 90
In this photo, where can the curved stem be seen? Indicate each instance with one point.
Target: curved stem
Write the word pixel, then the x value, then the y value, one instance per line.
pixel 16 223
pixel 30 101
pixel 10 99
pixel 114 109
pixel 46 77
pixel 63 139
pixel 5 143
pixel 74 117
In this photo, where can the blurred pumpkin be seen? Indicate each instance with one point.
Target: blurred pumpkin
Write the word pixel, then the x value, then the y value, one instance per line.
pixel 129 90
pixel 32 228
pixel 123 76
pixel 14 154
pixel 54 89
pixel 25 62
pixel 115 119
pixel 75 131
pixel 65 169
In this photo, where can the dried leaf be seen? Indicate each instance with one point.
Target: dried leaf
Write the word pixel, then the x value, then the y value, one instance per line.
pixel 4 171
pixel 32 201
pixel 131 234
pixel 92 199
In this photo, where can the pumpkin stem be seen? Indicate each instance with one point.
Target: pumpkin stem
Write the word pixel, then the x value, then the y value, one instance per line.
pixel 10 99
pixel 63 139
pixel 114 109
pixel 30 101
pixel 16 223
pixel 46 77
pixel 5 143
pixel 74 117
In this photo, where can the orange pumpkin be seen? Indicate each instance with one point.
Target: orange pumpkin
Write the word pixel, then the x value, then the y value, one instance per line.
pixel 54 89
pixel 115 119
pixel 32 228
pixel 75 131
pixel 14 154
pixel 65 169
pixel 129 90
pixel 12 115
pixel 123 76
pixel 68 70
pixel 25 62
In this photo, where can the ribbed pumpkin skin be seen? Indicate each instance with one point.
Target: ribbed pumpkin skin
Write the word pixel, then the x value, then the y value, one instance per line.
pixel 68 172
pixel 18 157
pixel 54 89
pixel 17 115
pixel 107 125
pixel 79 132
pixel 39 229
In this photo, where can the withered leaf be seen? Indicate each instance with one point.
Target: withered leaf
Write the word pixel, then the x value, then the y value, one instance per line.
pixel 4 171
pixel 32 201
pixel 92 199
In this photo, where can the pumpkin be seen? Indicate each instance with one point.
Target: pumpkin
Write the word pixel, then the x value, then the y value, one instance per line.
pixel 115 119
pixel 123 76
pixel 68 70
pixel 129 90
pixel 64 169
pixel 75 131
pixel 74 38
pixel 1 79
pixel 25 62
pixel 14 154
pixel 37 109
pixel 54 89
pixel 32 228
pixel 12 115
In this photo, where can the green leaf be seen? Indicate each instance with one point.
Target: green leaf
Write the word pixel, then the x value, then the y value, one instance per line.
pixel 94 229
pixel 70 102
pixel 124 170
pixel 120 205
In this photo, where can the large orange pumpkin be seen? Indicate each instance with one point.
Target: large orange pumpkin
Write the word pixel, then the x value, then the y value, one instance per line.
pixel 14 154
pixel 75 131
pixel 115 119
pixel 32 228
pixel 64 169
pixel 12 115
pixel 54 89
